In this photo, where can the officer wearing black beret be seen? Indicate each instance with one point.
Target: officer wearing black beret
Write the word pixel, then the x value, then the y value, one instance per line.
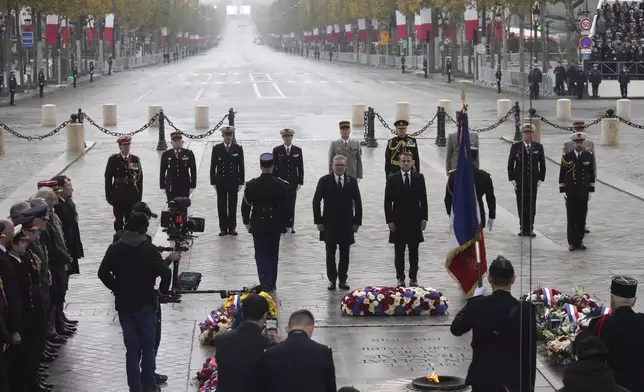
pixel 503 334
pixel 178 172
pixel 621 332
pixel 289 166
pixel 123 182
pixel 397 144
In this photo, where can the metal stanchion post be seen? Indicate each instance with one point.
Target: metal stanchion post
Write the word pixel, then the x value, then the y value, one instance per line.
pixel 80 115
pixel 162 145
pixel 371 130
pixel 517 123
pixel 441 141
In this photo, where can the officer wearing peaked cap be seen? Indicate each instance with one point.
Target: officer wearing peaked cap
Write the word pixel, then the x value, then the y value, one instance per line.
pixel 123 182
pixel 396 145
pixel 289 166
pixel 178 171
pixel 577 182
pixel 264 209
pixel 227 176
pixel 621 332
pixel 588 145
pixel 348 148
pixel 453 147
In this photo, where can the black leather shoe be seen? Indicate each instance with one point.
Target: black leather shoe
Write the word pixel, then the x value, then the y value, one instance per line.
pixel 532 234
pixel 47 358
pixel 232 232
pixel 571 247
pixel 66 332
pixel 331 286
pixel 292 231
pixel 46 386
pixel 520 234
pixel 56 338
pixel 160 378
pixel 52 346
pixel 581 246
pixel 586 231
pixel 401 283
pixel 413 283
pixel 343 286
pixel 223 233
pixel 65 319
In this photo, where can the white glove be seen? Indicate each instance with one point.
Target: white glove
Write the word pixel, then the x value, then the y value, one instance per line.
pixel 358 179
pixel 248 228
pixel 590 195
pixel 539 184
pixel 240 188
pixel 480 291
pixel 490 224
pixel 298 188
pixel 565 197
pixel 514 184
pixel 423 225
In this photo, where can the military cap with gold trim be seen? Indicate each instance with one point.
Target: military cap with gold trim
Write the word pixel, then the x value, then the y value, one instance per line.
pixel 527 127
pixel 401 122
pixel 176 135
pixel 48 183
pixel 227 130
pixel 578 136
pixel 287 132
pixel 345 124
pixel 578 126
pixel 124 140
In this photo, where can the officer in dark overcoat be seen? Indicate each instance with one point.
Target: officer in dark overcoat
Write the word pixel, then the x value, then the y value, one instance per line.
pixel 41 82
pixel 504 340
pixel 621 332
pixel 577 182
pixel 178 172
pixel 10 317
pixel 397 144
pixel 227 176
pixel 526 172
pixel 289 166
pixel 13 85
pixel 484 187
pixel 624 78
pixel 91 70
pixel 595 78
pixel 264 209
pixel 74 73
pixel 406 215
pixel 123 182
pixel 498 75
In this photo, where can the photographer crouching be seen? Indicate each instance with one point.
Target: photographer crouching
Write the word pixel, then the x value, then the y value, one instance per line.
pixel 144 209
pixel 130 268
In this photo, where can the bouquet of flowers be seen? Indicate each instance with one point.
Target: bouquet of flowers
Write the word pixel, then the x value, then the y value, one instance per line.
pixel 559 350
pixel 394 301
pixel 207 377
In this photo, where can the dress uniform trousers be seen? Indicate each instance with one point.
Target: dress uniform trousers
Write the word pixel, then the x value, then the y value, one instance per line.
pixel 227 206
pixel 180 190
pixel 290 219
pixel 267 248
pixel 526 205
pixel 24 358
pixel 122 210
pixel 576 212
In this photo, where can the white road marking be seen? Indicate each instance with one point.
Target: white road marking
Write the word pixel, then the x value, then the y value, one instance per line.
pixel 291 81
pixel 142 96
pixel 222 74
pixel 209 77
pixel 204 83
pixel 220 83
pixel 195 74
pixel 236 73
pixel 279 73
pixel 257 94
pixel 278 90
pixel 252 78
pixel 340 81
pixel 324 81
pixel 236 82
pixel 199 95
pixel 268 77
pixel 308 82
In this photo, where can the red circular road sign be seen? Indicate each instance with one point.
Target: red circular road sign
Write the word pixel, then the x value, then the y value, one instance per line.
pixel 585 24
pixel 447 41
pixel 585 42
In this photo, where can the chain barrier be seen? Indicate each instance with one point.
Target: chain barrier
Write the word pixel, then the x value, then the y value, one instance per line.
pixel 202 136
pixel 570 129
pixel 393 131
pixel 117 134
pixel 384 123
pixel 629 123
pixel 366 124
pixel 31 138
pixel 488 128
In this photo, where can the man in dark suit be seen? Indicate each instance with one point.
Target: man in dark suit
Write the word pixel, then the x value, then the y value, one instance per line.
pixel 10 315
pixel 239 352
pixel 227 177
pixel 526 172
pixel 178 172
pixel 503 335
pixel 299 363
pixel 341 218
pixel 66 211
pixel 621 332
pixel 577 183
pixel 289 166
pixel 406 215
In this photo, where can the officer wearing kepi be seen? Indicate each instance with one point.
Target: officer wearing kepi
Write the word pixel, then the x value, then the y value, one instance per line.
pixel 396 145
pixel 13 84
pixel 621 333
pixel 227 176
pixel 91 70
pixel 178 172
pixel 289 167
pixel 123 182
pixel 264 211
pixel 41 82
pixel 577 182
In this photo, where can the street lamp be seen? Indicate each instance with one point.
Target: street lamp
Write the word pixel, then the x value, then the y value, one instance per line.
pixel 498 19
pixel 3 30
pixel 535 24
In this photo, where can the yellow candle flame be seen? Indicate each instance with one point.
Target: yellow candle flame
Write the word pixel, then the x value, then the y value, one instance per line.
pixel 433 378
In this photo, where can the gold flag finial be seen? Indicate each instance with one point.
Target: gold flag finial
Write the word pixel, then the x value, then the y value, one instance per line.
pixel 464 107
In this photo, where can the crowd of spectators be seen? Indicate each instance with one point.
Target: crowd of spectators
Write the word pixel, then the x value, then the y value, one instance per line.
pixel 619 32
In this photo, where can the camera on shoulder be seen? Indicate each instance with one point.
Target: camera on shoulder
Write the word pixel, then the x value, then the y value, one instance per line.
pixel 177 222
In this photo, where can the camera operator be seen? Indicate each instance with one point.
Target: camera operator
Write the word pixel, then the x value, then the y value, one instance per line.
pixel 239 352
pixel 143 208
pixel 130 268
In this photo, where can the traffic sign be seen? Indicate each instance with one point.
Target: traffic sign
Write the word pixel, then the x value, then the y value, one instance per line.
pixel 27 39
pixel 447 41
pixel 480 49
pixel 585 24
pixel 384 38
pixel 585 42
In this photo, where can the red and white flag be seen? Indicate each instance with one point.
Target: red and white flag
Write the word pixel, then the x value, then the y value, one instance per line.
pixel 51 29
pixel 401 25
pixel 471 18
pixel 108 33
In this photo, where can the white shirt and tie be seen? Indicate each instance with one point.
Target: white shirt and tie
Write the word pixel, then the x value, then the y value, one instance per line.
pixel 527 146
pixel 288 150
pixel 406 177
pixel 339 179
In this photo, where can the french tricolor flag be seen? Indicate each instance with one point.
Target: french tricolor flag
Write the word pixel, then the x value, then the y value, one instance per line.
pixel 164 35
pixel 572 312
pixel 362 28
pixel 548 296
pixel 347 32
pixel 91 31
pixel 471 18
pixel 423 24
pixel 51 29
pixel 179 38
pixel 401 25
pixel 108 33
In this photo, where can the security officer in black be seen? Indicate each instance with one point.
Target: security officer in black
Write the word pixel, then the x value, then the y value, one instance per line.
pixel 498 75
pixel 289 166
pixel 227 176
pixel 178 172
pixel 265 208
pixel 299 363
pixel 595 79
pixel 448 67
pixel 397 144
pixel 74 73
pixel 425 66
pixel 484 187
pixel 91 70
pixel 621 333
pixel 504 339
pixel 577 182
pixel 123 182
pixel 624 78
pixel 13 85
pixel 41 82
pixel 109 65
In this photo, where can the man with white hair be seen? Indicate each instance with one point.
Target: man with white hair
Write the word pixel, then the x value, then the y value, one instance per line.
pixel 621 332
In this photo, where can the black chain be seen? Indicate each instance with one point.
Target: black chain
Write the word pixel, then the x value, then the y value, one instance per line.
pixel 31 138
pixel 393 131
pixel 629 123
pixel 116 134
pixel 488 128
pixel 384 123
pixel 202 136
pixel 570 129
pixel 366 124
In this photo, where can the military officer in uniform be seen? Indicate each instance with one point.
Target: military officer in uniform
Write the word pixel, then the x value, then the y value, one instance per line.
pixel 74 73
pixel 621 333
pixel 348 148
pixel 178 172
pixel 396 145
pixel 227 176
pixel 264 209
pixel 484 187
pixel 589 145
pixel 526 172
pixel 41 82
pixel 577 182
pixel 289 166
pixel 13 84
pixel 91 70
pixel 123 182
pixel 453 140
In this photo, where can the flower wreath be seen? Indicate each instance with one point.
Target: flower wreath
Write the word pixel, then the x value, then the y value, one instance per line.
pixel 394 301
